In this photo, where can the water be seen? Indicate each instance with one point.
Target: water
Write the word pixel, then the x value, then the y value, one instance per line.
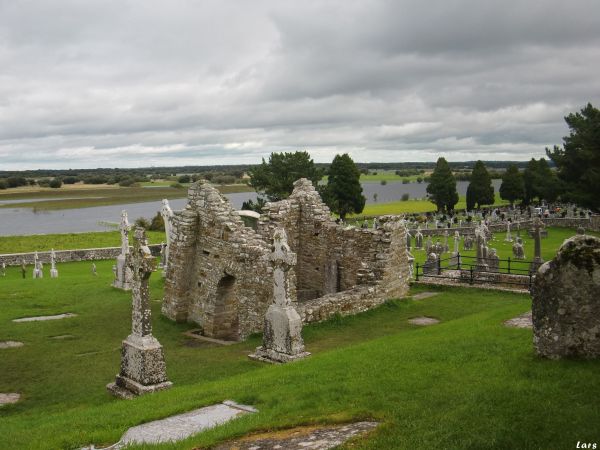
pixel 25 221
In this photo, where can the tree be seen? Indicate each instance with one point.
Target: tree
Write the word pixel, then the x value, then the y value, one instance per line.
pixel 480 190
pixel 343 193
pixel 157 223
pixel 276 178
pixel 512 188
pixel 442 187
pixel 549 186
pixel 55 183
pixel 578 162
pixel 257 206
pixel 530 182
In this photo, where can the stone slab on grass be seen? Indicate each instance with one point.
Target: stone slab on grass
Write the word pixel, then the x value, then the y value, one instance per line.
pixel 302 438
pixel 423 321
pixel 43 318
pixel 522 321
pixel 10 344
pixel 7 398
pixel 182 426
pixel 424 295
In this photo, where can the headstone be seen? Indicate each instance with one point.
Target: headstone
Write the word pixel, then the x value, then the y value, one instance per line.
pixel 431 266
pixel 493 260
pixel 419 238
pixel 537 236
pixel 53 270
pixel 38 267
pixel 167 215
pixel 3 269
pixel 565 301
pixel 518 249
pixel 468 242
pixel 580 230
pixel 123 273
pixel 446 246
pixel 142 361
pixel 456 242
pixel 23 268
pixel 508 234
pixel 481 264
pixel 282 337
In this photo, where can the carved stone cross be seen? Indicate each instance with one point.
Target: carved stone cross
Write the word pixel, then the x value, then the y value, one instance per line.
pixel 124 229
pixel 142 264
pixel 282 259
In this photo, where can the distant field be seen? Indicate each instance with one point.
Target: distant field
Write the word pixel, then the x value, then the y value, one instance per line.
pixel 69 196
pixel 412 206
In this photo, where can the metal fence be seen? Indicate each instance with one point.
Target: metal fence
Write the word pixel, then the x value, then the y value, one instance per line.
pixel 466 269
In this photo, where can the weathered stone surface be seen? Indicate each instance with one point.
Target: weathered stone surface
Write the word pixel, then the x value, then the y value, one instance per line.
pixel 301 438
pixel 424 295
pixel 522 321
pixel 121 269
pixel 8 398
pixel 566 301
pixel 44 318
pixel 142 361
pixel 11 344
pixel 423 321
pixel 219 275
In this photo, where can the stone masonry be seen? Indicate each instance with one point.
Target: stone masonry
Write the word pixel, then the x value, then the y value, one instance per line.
pixel 220 277
pixel 566 301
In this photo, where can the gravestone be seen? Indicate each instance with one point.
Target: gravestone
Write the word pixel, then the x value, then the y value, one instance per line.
pixel 123 272
pixel 38 267
pixel 431 265
pixel 282 337
pixel 53 270
pixel 493 261
pixel 481 250
pixel 428 245
pixel 518 249
pixel 468 243
pixel 565 301
pixel 508 234
pixel 419 238
pixel 537 236
pixel 167 214
pixel 142 361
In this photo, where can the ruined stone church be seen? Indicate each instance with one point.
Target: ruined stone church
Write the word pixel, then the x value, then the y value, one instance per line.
pixel 219 275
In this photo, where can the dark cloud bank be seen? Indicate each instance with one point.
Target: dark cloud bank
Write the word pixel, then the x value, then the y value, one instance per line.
pixel 88 84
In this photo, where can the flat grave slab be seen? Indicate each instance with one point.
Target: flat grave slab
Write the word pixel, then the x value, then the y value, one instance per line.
pixel 8 398
pixel 43 318
pixel 302 438
pixel 424 295
pixel 522 321
pixel 10 344
pixel 182 426
pixel 423 321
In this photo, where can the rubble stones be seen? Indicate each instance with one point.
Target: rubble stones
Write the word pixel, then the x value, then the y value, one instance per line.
pixel 10 344
pixel 566 304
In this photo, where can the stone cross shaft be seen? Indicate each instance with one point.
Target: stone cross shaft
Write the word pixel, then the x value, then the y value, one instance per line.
pixel 282 259
pixel 538 225
pixel 124 229
pixel 52 260
pixel 142 264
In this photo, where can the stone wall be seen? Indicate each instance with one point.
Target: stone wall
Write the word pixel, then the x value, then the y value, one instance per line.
pixel 90 254
pixel 591 224
pixel 219 276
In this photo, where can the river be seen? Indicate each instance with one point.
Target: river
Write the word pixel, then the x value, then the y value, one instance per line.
pixel 27 221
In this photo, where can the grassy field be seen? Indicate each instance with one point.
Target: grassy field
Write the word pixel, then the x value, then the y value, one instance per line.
pixel 68 241
pixel 468 382
pixel 76 196
pixel 413 206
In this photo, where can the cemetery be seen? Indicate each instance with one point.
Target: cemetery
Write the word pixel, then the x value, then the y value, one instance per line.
pixel 357 331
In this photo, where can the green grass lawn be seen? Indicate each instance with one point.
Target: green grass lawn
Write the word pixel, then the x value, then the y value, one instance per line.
pixel 468 382
pixel 69 241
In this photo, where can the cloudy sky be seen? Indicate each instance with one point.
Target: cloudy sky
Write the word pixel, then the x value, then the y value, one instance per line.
pixel 180 82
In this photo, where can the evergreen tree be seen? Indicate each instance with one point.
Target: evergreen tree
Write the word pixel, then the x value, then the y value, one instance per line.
pixel 344 194
pixel 480 190
pixel 512 188
pixel 548 185
pixel 442 187
pixel 276 178
pixel 531 182
pixel 578 162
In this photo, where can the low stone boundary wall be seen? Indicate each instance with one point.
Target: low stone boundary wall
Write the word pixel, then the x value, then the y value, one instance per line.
pixel 353 301
pixel 90 254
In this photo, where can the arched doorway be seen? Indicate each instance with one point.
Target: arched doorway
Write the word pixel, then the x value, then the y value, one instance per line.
pixel 225 316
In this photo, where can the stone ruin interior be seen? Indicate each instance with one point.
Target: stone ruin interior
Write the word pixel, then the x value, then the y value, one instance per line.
pixel 219 276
